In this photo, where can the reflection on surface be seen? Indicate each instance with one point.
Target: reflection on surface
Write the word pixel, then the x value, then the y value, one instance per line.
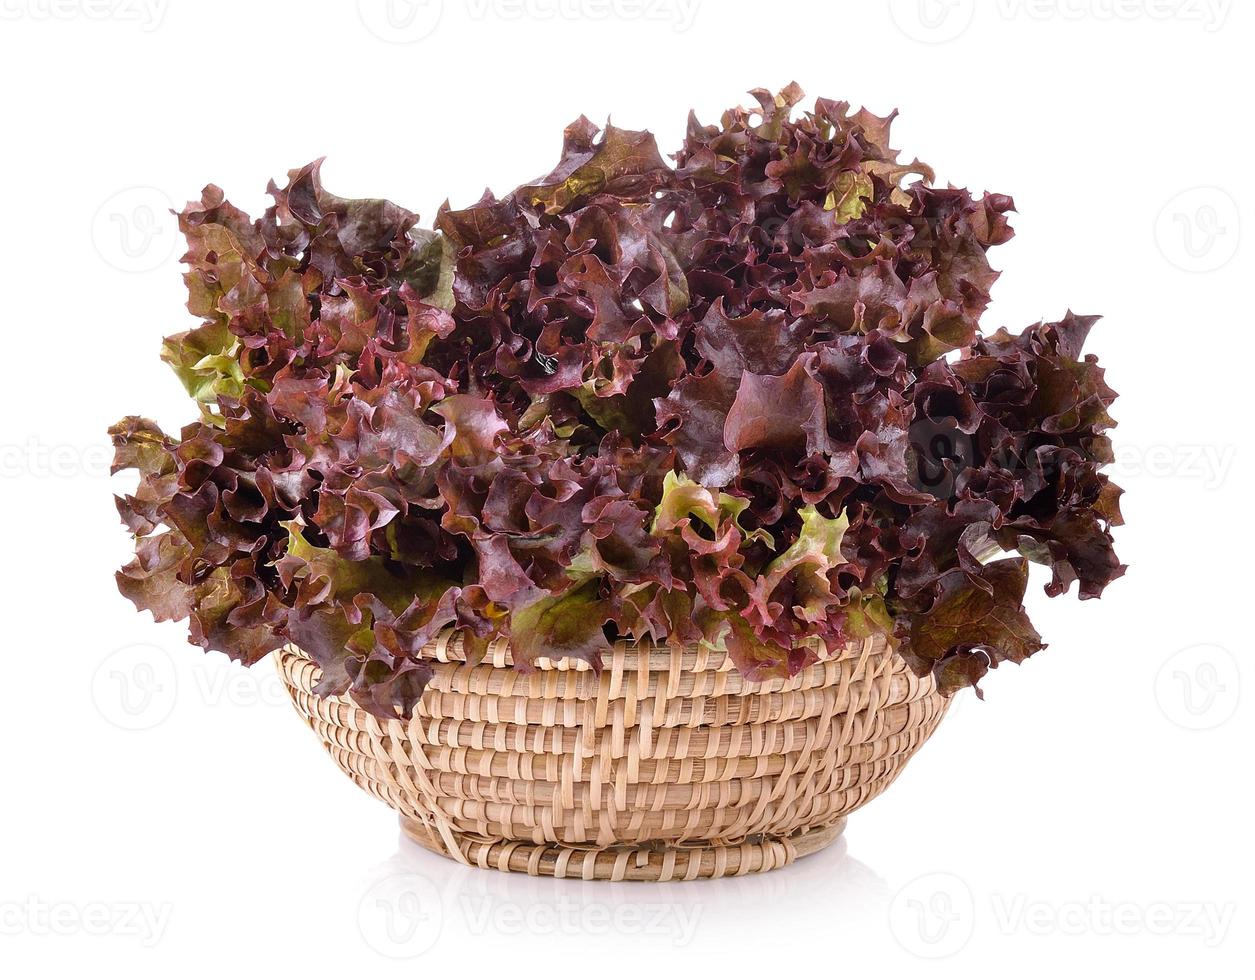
pixel 417 902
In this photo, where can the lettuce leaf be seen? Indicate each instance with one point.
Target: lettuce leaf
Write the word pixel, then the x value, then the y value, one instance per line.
pixel 744 400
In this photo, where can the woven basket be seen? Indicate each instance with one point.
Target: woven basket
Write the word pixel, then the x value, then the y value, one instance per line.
pixel 667 765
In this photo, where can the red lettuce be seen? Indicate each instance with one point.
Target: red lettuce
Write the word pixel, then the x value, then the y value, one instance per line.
pixel 741 400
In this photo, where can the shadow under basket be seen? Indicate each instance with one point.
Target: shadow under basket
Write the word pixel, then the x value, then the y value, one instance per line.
pixel 668 765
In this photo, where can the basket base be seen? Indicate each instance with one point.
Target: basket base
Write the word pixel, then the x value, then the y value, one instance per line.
pixel 627 862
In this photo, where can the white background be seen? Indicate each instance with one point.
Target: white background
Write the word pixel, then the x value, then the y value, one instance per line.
pixel 166 814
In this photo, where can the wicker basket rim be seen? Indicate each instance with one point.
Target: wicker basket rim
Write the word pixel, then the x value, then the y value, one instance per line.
pixel 448 648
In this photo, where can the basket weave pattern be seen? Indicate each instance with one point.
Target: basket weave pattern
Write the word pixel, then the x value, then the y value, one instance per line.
pixel 666 765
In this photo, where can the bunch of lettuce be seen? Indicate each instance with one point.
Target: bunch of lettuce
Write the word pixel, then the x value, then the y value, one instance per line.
pixel 742 400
